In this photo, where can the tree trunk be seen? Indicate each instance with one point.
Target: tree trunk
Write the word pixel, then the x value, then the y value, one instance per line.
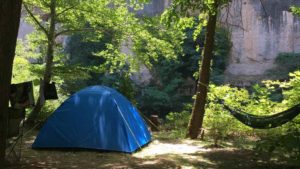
pixel 196 120
pixel 49 63
pixel 10 11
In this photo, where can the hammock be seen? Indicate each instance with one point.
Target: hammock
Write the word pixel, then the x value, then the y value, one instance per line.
pixel 265 122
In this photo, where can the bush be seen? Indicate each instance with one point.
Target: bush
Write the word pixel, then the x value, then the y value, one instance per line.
pixel 177 122
pixel 286 62
pixel 218 123
pixel 280 142
pixel 284 140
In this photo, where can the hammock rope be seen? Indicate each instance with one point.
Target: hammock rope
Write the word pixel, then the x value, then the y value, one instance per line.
pixel 264 122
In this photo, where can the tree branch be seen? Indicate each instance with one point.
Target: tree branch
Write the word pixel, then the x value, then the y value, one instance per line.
pixel 45 3
pixel 103 30
pixel 72 30
pixel 65 10
pixel 35 19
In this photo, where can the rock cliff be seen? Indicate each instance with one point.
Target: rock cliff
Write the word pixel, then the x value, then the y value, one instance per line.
pixel 260 30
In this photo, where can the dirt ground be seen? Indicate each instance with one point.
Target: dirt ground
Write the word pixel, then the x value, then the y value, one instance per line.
pixel 159 154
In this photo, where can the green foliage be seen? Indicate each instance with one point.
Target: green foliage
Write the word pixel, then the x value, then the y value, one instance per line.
pixel 94 18
pixel 176 122
pixel 21 66
pixel 218 122
pixel 221 54
pixel 138 35
pixel 154 101
pixel 35 52
pixel 284 140
pixel 290 89
pixel 157 40
pixel 181 13
pixel 291 62
pixel 181 8
pixel 54 18
pixel 93 56
pixel 79 53
pixel 291 92
pixel 97 33
pixel 126 87
pixel 155 46
pixel 192 49
pixel 295 10
pixel 80 50
pixel 122 83
pixel 161 95
pixel 48 109
pixel 280 140
pixel 23 71
pixel 220 125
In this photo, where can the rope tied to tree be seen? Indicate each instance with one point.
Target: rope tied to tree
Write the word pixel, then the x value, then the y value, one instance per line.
pixel 203 84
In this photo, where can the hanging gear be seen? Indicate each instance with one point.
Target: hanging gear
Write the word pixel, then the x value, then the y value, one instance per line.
pixel 265 122
pixel 50 92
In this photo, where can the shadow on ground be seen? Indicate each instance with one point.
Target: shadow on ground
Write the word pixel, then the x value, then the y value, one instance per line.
pixel 157 155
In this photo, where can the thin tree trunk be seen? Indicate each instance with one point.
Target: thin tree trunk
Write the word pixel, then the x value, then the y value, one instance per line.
pixel 195 123
pixel 10 11
pixel 49 64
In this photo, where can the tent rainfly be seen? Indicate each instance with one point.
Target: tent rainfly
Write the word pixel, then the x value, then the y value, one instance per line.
pixel 96 117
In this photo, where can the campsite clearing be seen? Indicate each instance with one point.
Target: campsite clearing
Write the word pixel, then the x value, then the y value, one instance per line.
pixel 160 153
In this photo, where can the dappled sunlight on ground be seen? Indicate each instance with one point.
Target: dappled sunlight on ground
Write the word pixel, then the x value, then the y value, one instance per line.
pixel 159 154
pixel 158 148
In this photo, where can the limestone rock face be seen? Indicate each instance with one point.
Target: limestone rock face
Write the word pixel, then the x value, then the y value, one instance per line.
pixel 260 30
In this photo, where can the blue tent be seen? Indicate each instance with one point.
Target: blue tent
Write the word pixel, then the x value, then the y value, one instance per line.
pixel 96 117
